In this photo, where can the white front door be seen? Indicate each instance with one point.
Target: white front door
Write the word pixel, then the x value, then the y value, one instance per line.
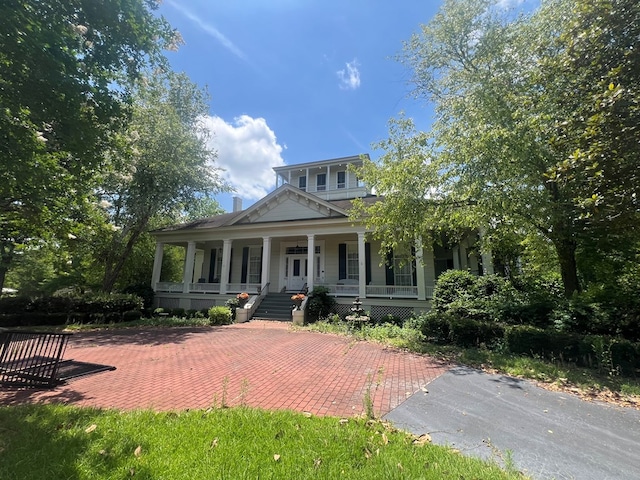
pixel 296 266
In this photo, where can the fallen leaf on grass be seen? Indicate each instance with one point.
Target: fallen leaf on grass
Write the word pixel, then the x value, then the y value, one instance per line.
pixel 276 457
pixel 214 442
pixel 385 440
pixel 422 439
pixel 138 451
pixel 91 428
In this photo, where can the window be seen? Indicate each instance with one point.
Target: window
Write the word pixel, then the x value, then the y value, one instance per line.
pixel 216 266
pixel 353 269
pixel 402 270
pixel 302 182
pixel 255 265
pixel 342 179
pixel 321 182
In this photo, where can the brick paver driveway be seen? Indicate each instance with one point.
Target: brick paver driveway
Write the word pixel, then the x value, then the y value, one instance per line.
pixel 260 364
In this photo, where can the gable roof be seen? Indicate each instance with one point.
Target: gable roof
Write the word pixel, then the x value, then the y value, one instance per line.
pixel 275 207
pixel 288 203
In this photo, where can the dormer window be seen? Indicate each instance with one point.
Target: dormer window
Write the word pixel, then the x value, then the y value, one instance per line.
pixel 302 182
pixel 321 182
pixel 342 179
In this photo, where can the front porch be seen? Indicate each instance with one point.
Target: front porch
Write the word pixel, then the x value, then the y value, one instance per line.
pixel 336 290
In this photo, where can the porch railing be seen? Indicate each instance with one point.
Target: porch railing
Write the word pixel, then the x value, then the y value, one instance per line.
pixel 351 290
pixel 172 287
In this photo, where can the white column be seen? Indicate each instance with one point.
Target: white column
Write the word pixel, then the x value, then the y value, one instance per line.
pixel 157 264
pixel 189 261
pixel 311 256
pixel 487 258
pixel 226 259
pixel 456 257
pixel 362 269
pixel 266 260
pixel 422 291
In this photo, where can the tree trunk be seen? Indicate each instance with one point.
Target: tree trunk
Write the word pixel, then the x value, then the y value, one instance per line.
pixel 566 250
pixel 114 267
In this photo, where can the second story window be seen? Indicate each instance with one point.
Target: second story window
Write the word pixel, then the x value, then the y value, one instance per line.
pixel 342 179
pixel 302 183
pixel 321 181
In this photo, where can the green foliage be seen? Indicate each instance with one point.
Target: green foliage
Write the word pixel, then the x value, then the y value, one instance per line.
pixel 65 69
pixel 144 291
pixel 320 304
pixel 536 132
pixel 220 315
pixel 162 166
pixel 451 286
pixel 69 308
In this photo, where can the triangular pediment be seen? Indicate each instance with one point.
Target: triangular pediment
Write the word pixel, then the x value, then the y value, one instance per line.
pixel 288 203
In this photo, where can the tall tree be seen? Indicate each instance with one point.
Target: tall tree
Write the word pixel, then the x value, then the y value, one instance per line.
pixel 536 126
pixel 162 167
pixel 65 66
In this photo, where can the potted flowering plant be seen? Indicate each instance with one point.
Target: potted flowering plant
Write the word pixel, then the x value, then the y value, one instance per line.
pixel 243 298
pixel 297 299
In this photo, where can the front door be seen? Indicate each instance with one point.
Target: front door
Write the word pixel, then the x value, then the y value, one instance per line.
pixel 296 266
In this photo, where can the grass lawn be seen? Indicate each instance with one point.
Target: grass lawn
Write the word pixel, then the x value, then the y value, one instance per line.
pixel 61 442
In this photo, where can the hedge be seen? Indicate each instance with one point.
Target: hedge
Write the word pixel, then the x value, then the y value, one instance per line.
pixel 58 310
pixel 609 354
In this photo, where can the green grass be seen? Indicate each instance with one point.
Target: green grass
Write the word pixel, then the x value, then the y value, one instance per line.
pixel 61 442
pixel 142 322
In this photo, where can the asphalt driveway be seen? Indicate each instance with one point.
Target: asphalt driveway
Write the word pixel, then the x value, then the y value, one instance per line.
pixel 546 435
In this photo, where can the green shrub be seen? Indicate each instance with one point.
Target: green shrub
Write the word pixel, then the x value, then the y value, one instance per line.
pixel 548 344
pixel 14 305
pixel 321 304
pixel 451 286
pixel 144 291
pixel 536 313
pixel 435 327
pixel 220 315
pixel 131 316
pixel 178 312
pixel 466 332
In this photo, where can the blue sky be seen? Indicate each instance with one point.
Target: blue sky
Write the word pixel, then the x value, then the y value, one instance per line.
pixel 294 81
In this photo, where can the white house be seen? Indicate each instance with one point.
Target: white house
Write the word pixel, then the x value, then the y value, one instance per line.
pixel 298 237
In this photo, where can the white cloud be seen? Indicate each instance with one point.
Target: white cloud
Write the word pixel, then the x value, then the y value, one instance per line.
pixel 349 77
pixel 247 150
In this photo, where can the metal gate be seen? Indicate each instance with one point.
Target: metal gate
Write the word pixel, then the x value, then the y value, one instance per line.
pixel 31 359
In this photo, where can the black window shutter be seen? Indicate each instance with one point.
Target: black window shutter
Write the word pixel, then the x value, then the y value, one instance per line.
pixel 212 265
pixel 261 255
pixel 342 261
pixel 388 270
pixel 230 264
pixel 415 267
pixel 245 264
pixel 367 262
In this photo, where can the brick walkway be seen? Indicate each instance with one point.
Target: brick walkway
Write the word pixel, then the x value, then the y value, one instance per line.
pixel 260 364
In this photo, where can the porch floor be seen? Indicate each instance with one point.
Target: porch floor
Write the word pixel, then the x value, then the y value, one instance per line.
pixel 261 364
